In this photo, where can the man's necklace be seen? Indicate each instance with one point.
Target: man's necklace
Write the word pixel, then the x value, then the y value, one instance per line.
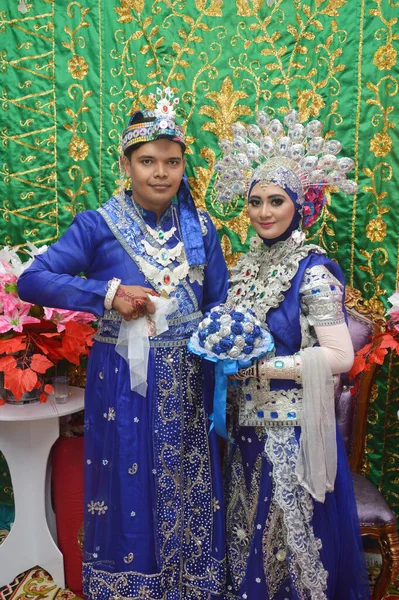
pixel 154 240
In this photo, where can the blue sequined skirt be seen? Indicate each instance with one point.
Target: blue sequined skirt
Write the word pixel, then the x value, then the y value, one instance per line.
pixel 154 514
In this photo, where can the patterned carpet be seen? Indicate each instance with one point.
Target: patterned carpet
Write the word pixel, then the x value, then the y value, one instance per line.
pixel 35 584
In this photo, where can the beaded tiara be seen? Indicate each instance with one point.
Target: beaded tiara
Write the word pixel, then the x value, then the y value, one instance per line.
pixel 294 156
pixel 163 123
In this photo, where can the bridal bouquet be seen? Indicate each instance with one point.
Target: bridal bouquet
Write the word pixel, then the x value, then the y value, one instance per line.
pixel 230 336
pixel 229 332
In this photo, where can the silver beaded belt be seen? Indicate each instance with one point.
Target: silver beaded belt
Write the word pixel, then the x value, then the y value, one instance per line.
pixel 260 407
pixel 180 330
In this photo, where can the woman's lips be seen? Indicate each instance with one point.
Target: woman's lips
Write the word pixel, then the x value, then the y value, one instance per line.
pixel 266 224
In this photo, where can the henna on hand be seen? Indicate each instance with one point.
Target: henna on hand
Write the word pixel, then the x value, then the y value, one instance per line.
pixel 136 302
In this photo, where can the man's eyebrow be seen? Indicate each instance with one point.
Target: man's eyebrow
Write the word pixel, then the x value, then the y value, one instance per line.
pixel 166 158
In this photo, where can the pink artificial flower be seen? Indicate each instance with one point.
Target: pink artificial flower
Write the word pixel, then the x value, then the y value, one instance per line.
pixel 16 321
pixel 11 302
pixel 394 314
pixel 7 278
pixel 59 316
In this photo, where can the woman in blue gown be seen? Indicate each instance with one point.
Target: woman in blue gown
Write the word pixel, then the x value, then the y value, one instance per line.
pixel 154 518
pixel 292 526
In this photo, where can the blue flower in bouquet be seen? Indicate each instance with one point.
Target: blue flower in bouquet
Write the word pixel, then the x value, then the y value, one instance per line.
pixel 213 327
pixel 226 344
pixel 215 315
pixel 231 332
pixel 237 328
pixel 238 316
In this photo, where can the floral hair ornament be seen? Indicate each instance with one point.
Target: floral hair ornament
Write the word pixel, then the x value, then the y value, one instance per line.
pixel 163 123
pixel 289 154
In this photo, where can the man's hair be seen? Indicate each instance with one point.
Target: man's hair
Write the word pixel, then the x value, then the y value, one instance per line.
pixel 140 118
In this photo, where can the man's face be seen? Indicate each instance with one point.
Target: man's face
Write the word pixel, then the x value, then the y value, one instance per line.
pixel 156 170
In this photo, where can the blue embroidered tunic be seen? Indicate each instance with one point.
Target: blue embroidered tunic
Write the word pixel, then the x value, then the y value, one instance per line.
pixel 154 518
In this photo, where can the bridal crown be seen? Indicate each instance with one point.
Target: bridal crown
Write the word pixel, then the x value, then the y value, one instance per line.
pixel 290 155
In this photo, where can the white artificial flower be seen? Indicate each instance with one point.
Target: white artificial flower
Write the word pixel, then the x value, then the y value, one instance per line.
pixel 239 342
pixel 225 320
pixel 224 331
pixel 234 352
pixel 394 301
pixel 298 236
pixel 34 250
pixel 208 345
pixel 255 242
pixel 164 109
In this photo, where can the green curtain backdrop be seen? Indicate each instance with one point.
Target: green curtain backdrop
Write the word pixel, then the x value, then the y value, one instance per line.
pixel 72 72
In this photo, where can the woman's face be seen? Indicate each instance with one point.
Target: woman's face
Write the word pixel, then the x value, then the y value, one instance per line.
pixel 270 210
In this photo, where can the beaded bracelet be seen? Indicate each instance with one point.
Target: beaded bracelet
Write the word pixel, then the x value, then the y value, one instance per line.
pixel 113 285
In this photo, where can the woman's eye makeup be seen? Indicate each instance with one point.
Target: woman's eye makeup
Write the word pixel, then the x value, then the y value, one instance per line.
pixel 274 201
pixel 254 202
pixel 277 201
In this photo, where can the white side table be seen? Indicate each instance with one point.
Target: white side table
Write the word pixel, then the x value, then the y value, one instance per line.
pixel 27 434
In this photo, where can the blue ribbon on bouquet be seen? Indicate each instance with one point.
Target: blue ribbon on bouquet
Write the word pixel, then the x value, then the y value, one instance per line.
pixel 223 369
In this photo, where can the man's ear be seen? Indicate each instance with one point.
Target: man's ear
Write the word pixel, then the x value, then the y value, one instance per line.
pixel 125 164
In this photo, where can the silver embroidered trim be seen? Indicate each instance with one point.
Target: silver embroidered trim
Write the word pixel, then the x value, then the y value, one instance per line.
pixel 277 265
pixel 153 343
pixel 113 315
pixel 281 448
pixel 276 406
pixel 203 221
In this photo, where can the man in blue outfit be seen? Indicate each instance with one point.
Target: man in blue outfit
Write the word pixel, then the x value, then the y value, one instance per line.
pixel 154 518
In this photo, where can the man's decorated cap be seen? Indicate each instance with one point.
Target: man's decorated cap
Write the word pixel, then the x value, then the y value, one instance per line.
pixel 161 122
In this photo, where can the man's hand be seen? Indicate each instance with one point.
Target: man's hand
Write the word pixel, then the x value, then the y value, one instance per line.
pixel 132 302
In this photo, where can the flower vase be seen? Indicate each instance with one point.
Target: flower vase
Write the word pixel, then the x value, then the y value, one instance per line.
pixel 26 398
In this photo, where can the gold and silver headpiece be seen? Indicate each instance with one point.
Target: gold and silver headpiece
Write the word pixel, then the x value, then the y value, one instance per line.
pixel 289 155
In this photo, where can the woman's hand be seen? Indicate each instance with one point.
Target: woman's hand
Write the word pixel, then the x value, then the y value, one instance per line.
pixel 132 302
pixel 246 373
